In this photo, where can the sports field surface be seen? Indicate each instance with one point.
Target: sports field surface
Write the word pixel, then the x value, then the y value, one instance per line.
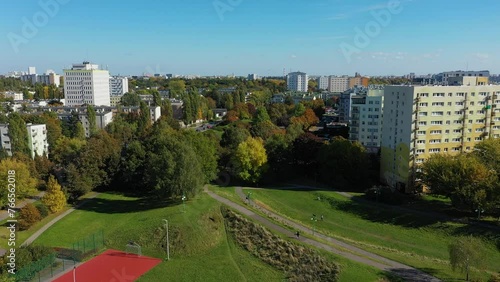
pixel 111 266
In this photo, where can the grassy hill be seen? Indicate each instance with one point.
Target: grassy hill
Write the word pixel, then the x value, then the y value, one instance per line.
pixel 200 247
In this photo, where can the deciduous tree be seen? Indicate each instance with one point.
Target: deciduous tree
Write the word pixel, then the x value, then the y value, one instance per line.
pixel 250 160
pixel 54 198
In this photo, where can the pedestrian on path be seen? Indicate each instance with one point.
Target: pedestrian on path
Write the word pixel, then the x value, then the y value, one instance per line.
pixel 297 234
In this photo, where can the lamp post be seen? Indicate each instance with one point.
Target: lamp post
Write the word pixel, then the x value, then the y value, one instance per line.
pixel 183 202
pixel 314 220
pixel 479 211
pixel 168 243
pixel 74 273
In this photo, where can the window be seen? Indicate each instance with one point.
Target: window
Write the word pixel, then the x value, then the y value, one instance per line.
pixel 422 123
pixel 436 131
pixel 419 161
pixel 479 120
pixel 456 140
pixel 457 131
pixel 421 151
pixel 436 122
pixel 423 104
pixel 437 94
pixel 421 142
pixel 478 139
pixel 421 132
pixel 435 141
pixel 423 95
pixel 459 112
pixel 437 104
pixel 422 114
pixel 437 113
pixel 434 150
pixel 460 94
pixel 459 103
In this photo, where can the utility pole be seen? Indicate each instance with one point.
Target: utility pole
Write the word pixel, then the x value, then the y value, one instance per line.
pixel 168 243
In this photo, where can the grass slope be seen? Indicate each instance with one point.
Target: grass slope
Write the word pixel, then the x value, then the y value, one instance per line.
pixel 200 249
pixel 416 241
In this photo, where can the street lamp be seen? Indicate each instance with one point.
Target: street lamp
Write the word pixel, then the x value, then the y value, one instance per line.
pixel 168 243
pixel 314 220
pixel 183 202
pixel 479 211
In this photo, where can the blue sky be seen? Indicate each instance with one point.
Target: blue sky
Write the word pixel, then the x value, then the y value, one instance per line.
pixel 220 37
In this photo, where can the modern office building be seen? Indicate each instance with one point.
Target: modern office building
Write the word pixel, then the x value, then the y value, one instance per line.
pixel 366 118
pixel 86 84
pixel 443 77
pixel 323 82
pixel 420 121
pixel 338 84
pixel 297 81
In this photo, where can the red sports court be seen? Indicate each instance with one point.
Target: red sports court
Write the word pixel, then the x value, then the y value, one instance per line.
pixel 111 266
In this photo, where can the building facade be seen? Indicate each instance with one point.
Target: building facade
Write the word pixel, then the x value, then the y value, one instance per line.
pixel 323 82
pixel 366 119
pixel 86 84
pixel 420 121
pixel 118 85
pixel 443 77
pixel 338 84
pixel 37 139
pixel 297 81
pixel 358 80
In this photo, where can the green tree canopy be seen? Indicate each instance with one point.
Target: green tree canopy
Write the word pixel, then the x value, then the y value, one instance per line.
pixel 250 160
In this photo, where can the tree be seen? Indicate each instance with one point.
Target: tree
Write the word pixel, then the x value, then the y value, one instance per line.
pixel 465 252
pixel 250 160
pixel 91 116
pixel 130 99
pixel 300 109
pixel 206 152
pixel 463 178
pixel 25 182
pixel 18 134
pixel 144 118
pixel 176 87
pixel 28 216
pixel 172 167
pixel 67 149
pixel 261 115
pixel 54 198
pixel 79 132
pixel 233 136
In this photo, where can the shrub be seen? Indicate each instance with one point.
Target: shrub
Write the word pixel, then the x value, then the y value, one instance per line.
pixel 44 211
pixel 28 216
pixel 298 262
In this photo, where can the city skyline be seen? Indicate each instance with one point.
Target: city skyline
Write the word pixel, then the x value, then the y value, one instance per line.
pixel 222 37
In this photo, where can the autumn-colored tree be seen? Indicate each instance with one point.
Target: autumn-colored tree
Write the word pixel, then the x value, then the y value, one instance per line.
pixel 250 160
pixel 25 184
pixel 54 198
pixel 231 116
pixel 28 216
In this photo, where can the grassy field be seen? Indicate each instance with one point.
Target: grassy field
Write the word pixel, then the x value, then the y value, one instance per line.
pixel 201 250
pixel 413 240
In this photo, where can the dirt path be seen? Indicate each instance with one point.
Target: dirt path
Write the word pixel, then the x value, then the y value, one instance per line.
pixel 344 250
pixel 4 214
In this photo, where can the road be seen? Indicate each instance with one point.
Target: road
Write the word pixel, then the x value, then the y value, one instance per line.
pixel 345 250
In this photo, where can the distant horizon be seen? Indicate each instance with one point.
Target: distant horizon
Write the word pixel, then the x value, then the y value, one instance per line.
pixel 222 37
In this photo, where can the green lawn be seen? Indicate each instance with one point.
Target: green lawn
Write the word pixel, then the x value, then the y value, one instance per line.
pixel 413 240
pixel 201 250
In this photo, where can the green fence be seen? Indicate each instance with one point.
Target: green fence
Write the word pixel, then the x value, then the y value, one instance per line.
pixel 88 246
pixel 28 272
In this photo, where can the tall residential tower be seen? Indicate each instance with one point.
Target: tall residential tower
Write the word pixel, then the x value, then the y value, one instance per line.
pixel 86 84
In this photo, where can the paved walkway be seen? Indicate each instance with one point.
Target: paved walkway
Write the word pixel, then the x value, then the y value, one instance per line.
pixel 52 222
pixel 353 253
pixel 4 214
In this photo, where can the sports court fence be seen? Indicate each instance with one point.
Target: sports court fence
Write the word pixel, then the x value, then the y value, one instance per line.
pixel 30 271
pixel 88 246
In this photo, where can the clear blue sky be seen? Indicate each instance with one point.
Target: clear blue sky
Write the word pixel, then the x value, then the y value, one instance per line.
pixel 218 37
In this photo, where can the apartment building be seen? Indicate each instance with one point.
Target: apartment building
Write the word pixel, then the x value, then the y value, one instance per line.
pixel 86 84
pixel 366 119
pixel 37 139
pixel 338 84
pixel 323 82
pixel 297 81
pixel 420 121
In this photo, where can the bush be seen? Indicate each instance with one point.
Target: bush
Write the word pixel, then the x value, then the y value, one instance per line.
pixel 299 263
pixel 28 216
pixel 44 211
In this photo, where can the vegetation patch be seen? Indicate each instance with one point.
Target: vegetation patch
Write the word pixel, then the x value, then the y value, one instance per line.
pixel 299 263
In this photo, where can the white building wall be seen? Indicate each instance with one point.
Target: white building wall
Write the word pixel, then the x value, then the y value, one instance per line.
pixel 323 82
pixel 86 84
pixel 297 81
pixel 338 84
pixel 37 139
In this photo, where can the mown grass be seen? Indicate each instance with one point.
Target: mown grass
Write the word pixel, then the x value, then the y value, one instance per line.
pixel 418 241
pixel 200 249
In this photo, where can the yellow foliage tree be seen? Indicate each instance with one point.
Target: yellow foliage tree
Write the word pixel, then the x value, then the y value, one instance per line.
pixel 16 177
pixel 250 159
pixel 54 198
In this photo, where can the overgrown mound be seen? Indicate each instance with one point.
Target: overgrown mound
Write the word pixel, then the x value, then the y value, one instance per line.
pixel 299 263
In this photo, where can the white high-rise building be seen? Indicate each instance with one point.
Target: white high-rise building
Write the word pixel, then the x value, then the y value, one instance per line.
pixel 31 70
pixel 420 121
pixel 323 82
pixel 118 85
pixel 297 81
pixel 86 84
pixel 366 118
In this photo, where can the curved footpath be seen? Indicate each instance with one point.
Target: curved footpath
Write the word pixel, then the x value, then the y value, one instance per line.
pixel 406 272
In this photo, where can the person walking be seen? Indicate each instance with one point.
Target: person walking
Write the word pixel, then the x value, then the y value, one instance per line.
pixel 297 234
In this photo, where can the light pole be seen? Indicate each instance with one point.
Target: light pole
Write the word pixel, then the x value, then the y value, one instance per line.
pixel 479 211
pixel 183 202
pixel 74 273
pixel 168 243
pixel 314 220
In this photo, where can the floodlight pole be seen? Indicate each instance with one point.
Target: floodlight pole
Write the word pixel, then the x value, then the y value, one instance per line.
pixel 74 273
pixel 168 243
